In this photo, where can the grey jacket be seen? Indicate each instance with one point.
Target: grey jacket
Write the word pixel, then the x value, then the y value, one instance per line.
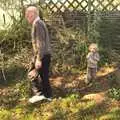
pixel 40 39
pixel 92 59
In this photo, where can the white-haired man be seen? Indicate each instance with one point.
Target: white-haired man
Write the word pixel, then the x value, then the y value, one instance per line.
pixel 42 53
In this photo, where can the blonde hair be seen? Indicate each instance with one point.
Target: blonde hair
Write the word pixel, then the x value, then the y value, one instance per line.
pixel 93 46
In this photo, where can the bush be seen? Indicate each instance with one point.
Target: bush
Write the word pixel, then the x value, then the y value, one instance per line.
pixel 15 37
pixel 114 93
pixel 69 49
pixel 104 31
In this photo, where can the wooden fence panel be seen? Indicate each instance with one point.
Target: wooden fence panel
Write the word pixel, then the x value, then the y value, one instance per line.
pixel 81 5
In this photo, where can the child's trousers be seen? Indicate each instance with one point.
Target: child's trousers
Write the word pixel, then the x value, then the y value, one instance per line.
pixel 91 74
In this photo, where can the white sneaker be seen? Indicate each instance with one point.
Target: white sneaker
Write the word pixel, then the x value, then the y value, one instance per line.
pixel 49 99
pixel 37 98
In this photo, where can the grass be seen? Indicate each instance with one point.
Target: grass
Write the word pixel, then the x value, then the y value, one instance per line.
pixel 61 109
pixel 67 104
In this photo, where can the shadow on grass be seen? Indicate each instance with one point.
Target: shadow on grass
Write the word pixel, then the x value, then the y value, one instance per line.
pixel 13 75
pixel 91 112
pixel 97 111
pixel 9 92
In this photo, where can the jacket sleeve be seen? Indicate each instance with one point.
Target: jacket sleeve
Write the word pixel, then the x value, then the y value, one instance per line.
pixel 91 58
pixel 97 57
pixel 39 39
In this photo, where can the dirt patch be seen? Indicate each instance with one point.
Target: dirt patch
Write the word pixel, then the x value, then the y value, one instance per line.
pixel 98 97
pixel 75 83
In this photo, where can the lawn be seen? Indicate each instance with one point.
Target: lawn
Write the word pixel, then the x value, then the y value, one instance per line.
pixel 72 99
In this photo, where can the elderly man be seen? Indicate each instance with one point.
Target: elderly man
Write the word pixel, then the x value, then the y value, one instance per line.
pixel 42 53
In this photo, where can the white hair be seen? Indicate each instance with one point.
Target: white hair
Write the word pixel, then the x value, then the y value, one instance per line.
pixel 32 9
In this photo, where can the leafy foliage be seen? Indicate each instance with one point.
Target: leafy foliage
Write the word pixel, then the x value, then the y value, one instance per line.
pixel 69 49
pixel 104 27
pixel 114 93
pixel 15 38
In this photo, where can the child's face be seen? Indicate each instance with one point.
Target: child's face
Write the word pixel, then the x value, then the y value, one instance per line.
pixel 92 50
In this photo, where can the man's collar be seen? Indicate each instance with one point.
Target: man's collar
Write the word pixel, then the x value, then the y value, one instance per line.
pixel 36 19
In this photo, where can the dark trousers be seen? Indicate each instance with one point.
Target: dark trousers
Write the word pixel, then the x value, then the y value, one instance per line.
pixel 43 86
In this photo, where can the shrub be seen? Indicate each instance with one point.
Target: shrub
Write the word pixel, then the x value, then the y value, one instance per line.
pixel 114 93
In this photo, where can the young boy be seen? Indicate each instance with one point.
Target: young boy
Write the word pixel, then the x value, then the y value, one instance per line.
pixel 92 61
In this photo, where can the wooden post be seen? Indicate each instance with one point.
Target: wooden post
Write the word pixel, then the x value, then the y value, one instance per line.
pixel 2 67
pixel 4 19
pixel 89 19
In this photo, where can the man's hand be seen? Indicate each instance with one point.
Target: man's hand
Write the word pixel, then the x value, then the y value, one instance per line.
pixel 32 74
pixel 38 64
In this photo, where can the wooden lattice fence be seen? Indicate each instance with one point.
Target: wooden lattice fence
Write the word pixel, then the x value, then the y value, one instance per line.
pixel 82 5
pixel 84 14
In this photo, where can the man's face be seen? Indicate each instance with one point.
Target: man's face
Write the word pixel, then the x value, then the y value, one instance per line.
pixel 30 16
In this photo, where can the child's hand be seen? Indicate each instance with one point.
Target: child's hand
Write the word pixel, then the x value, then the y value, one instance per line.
pixel 89 54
